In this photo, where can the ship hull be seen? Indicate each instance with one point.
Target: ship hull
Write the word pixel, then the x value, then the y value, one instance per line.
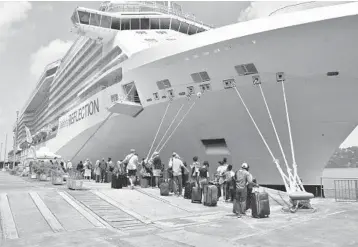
pixel 320 107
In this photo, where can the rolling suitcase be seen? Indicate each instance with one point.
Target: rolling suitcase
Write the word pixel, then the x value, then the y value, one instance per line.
pixel 164 189
pixel 196 195
pixel 115 181
pixel 210 195
pixel 188 189
pixel 260 205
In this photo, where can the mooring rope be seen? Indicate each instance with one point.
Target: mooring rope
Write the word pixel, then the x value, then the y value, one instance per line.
pixel 277 136
pixel 160 142
pixel 160 125
pixel 191 107
pixel 295 176
pixel 284 177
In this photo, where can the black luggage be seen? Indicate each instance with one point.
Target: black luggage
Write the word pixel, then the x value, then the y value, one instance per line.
pixel 114 183
pixel 260 205
pixel 188 189
pixel 164 189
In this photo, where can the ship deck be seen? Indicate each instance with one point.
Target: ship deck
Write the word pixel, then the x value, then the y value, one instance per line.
pixel 100 216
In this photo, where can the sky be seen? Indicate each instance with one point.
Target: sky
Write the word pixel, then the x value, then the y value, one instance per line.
pixel 34 34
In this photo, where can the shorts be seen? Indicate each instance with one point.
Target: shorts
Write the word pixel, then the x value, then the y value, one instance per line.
pixel 156 172
pixel 132 172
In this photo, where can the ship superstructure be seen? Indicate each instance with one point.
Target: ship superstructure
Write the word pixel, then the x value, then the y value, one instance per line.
pixel 137 69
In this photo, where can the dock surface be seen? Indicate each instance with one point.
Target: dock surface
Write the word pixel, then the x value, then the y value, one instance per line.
pixel 34 213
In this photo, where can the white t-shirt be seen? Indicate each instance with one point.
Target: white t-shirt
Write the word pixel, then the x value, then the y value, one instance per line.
pixel 132 161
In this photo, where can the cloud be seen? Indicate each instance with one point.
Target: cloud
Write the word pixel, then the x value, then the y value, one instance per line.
pixel 11 12
pixel 263 9
pixel 55 50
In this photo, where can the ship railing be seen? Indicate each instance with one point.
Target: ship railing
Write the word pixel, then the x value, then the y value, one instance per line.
pixel 340 188
pixel 303 6
pixel 155 7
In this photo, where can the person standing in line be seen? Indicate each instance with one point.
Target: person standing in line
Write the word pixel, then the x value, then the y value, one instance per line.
pixel 176 164
pixel 185 174
pixel 156 168
pixel 204 176
pixel 132 163
pixel 97 171
pixel 110 164
pixel 87 167
pixel 195 169
pixel 69 166
pixel 103 167
pixel 242 179
pixel 230 186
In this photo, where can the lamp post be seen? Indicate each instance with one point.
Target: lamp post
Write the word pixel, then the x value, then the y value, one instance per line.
pixel 5 148
pixel 15 141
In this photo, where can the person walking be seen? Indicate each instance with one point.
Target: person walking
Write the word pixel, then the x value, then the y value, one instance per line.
pixel 132 163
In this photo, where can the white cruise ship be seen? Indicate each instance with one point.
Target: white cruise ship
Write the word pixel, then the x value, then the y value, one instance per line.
pixel 138 68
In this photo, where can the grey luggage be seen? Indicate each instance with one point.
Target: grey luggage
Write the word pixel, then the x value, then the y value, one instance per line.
pixel 260 205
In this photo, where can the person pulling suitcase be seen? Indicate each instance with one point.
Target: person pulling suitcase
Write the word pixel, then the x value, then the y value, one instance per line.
pixel 242 179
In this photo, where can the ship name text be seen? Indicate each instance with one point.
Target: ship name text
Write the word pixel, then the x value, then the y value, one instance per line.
pixel 86 110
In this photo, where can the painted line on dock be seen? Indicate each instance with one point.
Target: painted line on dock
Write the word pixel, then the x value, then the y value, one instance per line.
pixel 284 226
pixel 46 213
pixel 7 220
pixel 90 216
pixel 127 211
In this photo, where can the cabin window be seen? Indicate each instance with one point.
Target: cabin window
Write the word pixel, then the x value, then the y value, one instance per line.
pixel 116 23
pixel 144 23
pixel 84 17
pixel 135 24
pixel 106 21
pixel 246 69
pixel 192 29
pixel 154 23
pixel 184 27
pixel 164 23
pixel 95 19
pixel 163 84
pixel 125 24
pixel 175 25
pixel 74 17
pixel 200 76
